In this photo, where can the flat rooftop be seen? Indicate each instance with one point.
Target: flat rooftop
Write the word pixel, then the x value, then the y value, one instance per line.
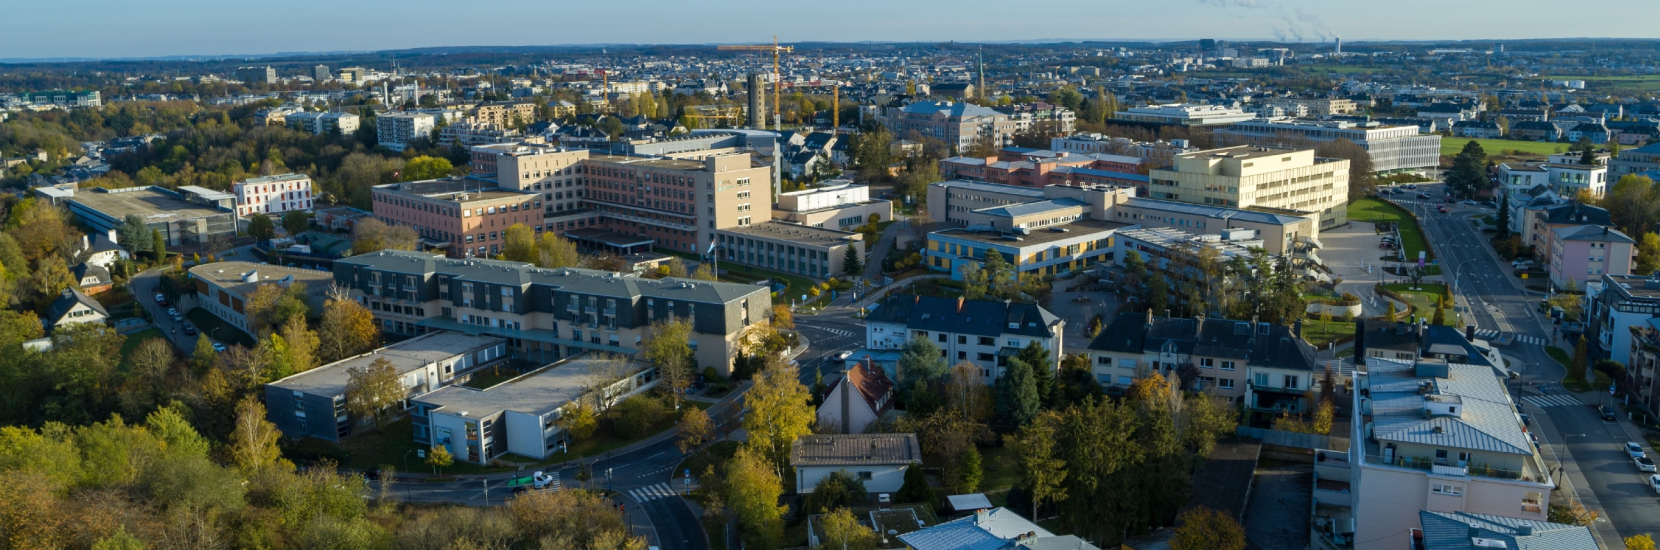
pixel 229 275
pixel 650 162
pixel 452 188
pixel 406 356
pixel 1031 192
pixel 1238 152
pixel 145 202
pixel 1046 235
pixel 537 392
pixel 811 236
pixel 277 178
pixel 1217 212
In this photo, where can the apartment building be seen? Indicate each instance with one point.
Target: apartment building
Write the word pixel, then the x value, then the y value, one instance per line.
pixel 1468 531
pixel 1393 148
pixel 1185 114
pixel 1041 168
pixel 980 332
pixel 313 403
pixel 1540 221
pixel 1152 153
pixel 1438 436
pixel 1635 161
pixel 1420 341
pixel 504 113
pixel 63 98
pixel 548 314
pixel 222 288
pixel 469 134
pixel 1565 179
pixel 520 416
pixel 959 125
pixel 1226 352
pixel 815 252
pixel 1642 361
pixel 1247 176
pixel 1615 309
pixel 465 217
pixel 323 122
pixel 256 75
pixel 836 204
pixel 396 131
pixel 273 194
pixel 1581 254
pixel 1044 117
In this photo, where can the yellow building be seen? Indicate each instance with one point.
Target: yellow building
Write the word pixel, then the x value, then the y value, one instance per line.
pixel 1248 176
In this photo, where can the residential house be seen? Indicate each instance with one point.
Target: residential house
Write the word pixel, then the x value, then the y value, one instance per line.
pixel 1544 219
pixel 73 307
pixel 1596 133
pixel 980 332
pixel 92 278
pixel 877 460
pixel 1443 530
pixel 100 249
pixel 993 529
pixel 862 396
pixel 1477 129
pixel 1534 130
pixel 1229 356
pixel 1581 254
pixel 1642 364
pixel 1409 342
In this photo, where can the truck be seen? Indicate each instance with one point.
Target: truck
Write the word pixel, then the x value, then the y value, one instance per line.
pixel 536 481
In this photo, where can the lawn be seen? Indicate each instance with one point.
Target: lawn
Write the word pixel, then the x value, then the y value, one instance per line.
pixel 1376 210
pixel 999 466
pixel 1319 333
pixel 1423 301
pixel 1450 146
pixel 217 328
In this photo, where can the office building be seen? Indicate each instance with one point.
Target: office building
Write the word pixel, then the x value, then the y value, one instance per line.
pixel 313 403
pixel 1185 114
pixel 836 204
pixel 188 215
pixel 396 131
pixel 959 125
pixel 1438 436
pixel 1392 148
pixel 1247 176
pixel 548 314
pixel 223 288
pixel 1041 168
pixel 1229 355
pixel 353 74
pixel 814 252
pixel 1042 117
pixel 256 75
pixel 63 98
pixel 466 217
pixel 983 333
pixel 1151 153
pixel 273 194
pixel 520 416
pixel 323 122
pixel 321 73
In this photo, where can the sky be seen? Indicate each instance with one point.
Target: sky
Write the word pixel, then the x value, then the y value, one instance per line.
pixel 151 28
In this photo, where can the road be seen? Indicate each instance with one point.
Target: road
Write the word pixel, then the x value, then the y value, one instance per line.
pixel 1594 468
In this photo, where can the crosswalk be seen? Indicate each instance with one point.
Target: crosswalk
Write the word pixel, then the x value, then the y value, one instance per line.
pixel 1524 339
pixel 652 492
pixel 1553 401
pixel 833 331
pixel 554 485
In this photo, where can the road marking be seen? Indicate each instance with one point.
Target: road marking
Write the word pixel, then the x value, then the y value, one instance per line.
pixel 1543 401
pixel 651 492
pixel 833 331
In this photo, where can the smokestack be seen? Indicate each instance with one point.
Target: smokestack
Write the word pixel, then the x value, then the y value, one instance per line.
pixel 847 399
pixel 757 103
pixel 1339 50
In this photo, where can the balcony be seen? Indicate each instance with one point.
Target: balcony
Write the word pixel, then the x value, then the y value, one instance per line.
pixel 1451 468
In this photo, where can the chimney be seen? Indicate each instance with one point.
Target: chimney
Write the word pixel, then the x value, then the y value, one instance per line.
pixel 960 300
pixel 86 242
pixel 1297 328
pixel 1469 332
pixel 847 399
pixel 981 516
pixel 1360 340
pixel 1524 530
pixel 1149 317
pixel 112 237
pixel 1198 325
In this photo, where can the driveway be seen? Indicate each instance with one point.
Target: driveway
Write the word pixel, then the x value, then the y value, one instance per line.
pixel 1352 253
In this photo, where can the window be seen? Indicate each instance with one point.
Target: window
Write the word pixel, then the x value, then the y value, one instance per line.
pixel 1226 383
pixel 962 355
pixel 864 476
pixel 988 341
pixel 1291 381
pixel 1447 489
pixel 1227 365
pixel 962 339
pixel 1207 362
pixel 1260 379
pixel 942 338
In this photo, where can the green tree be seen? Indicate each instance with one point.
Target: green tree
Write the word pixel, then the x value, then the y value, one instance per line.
pixel 1017 396
pixel 372 391
pixel 1043 369
pixel 426 168
pixel 915 488
pixel 969 471
pixel 1041 471
pixel 1503 222
pixel 260 227
pixel 205 356
pixel 837 490
pixel 668 347
pixel 1440 317
pixel 921 360
pixel 158 245
pixel 1469 171
pixel 842 531
pixel 133 234
pixel 1202 528
pixel 1648 255
pixel 753 487
pixel 850 262
pixel 439 458
pixel 520 244
pixel 1581 360
pixel 295 222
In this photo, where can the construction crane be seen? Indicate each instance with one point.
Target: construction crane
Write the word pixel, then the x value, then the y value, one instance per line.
pixel 777 119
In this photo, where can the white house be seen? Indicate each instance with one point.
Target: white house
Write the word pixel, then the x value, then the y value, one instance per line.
pixel 877 460
pixel 74 307
pixel 862 395
pixel 101 249
pixel 273 194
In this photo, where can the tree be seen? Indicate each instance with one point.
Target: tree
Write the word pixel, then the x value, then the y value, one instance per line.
pixel 295 222
pixel 839 489
pixel 260 227
pixel 1440 317
pixel 1588 157
pixel 299 345
pixel 1202 528
pixel 850 262
pixel 1362 181
pixel 1390 315
pixel 133 234
pixel 1648 255
pixel 1043 369
pixel 1503 222
pixel 346 329
pixel 920 360
pixel 158 245
pixel 1576 369
pixel 373 390
pixel 253 444
pixel 580 421
pixel 668 346
pixel 753 487
pixel 439 458
pixel 842 531
pixel 915 488
pixel 1639 542
pixel 426 168
pixel 520 244
pixel 696 430
pixel 372 235
pixel 780 411
pixel 205 356
pixel 1469 171
pixel 636 415
pixel 705 272
pixel 1041 471
pixel 554 251
pixel 1017 395
pixel 969 471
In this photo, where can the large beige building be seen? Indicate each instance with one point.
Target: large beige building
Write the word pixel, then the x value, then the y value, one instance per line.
pixel 1249 176
pixel 505 113
pixel 838 204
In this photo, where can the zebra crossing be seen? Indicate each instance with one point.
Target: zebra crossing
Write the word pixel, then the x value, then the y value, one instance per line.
pixel 554 485
pixel 1542 401
pixel 1535 340
pixel 651 492
pixel 833 331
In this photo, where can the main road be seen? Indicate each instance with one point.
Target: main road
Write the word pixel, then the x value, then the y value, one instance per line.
pixel 1588 450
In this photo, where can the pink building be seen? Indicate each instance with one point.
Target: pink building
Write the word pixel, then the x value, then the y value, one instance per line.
pixel 1042 168
pixel 1584 253
pixel 273 194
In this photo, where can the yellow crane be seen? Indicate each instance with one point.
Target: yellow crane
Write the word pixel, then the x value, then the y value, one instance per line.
pixel 777 119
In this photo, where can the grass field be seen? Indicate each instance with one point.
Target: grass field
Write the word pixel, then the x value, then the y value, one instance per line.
pixel 1319 333
pixel 1423 301
pixel 1451 146
pixel 1628 82
pixel 1378 210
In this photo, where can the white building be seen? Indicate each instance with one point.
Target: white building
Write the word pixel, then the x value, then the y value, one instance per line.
pixel 273 194
pixel 323 123
pixel 396 130
pixel 1393 148
pixel 878 460
pixel 982 332
pixel 1187 114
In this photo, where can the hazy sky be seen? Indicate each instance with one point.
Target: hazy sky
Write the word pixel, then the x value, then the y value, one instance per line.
pixel 125 28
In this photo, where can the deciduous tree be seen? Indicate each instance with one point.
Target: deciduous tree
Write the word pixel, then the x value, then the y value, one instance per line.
pixel 780 410
pixel 519 244
pixel 667 346
pixel 260 227
pixel 753 487
pixel 439 458
pixel 253 444
pixel 842 531
pixel 296 222
pixel 347 329
pixel 373 390
pixel 426 168
pixel 696 430
pixel 554 251
pixel 1202 528
pixel 372 235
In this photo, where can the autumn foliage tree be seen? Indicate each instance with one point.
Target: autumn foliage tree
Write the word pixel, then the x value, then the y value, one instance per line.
pixel 780 411
pixel 346 329
pixel 1202 528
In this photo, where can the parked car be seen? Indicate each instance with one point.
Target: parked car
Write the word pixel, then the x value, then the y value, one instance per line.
pixel 173 311
pixel 1525 420
pixel 1606 412
pixel 1411 186
pixel 218 347
pixel 1441 209
pixel 1654 483
pixel 1423 195
pixel 161 300
pixel 189 330
pixel 1644 463
pixel 1633 450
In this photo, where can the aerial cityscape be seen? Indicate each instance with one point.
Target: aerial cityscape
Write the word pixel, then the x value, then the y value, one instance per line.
pixel 1212 275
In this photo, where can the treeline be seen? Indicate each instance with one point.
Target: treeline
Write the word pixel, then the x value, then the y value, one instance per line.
pixel 1196 281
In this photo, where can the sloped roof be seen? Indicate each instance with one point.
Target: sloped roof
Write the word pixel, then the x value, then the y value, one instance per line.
pixel 1266 344
pixel 1594 233
pixel 979 317
pixel 1487 420
pixel 68 299
pixel 1451 531
pixel 854 449
pixel 873 385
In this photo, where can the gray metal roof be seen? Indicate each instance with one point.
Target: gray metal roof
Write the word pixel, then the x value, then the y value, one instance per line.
pixel 569 279
pixel 1026 209
pixel 1213 211
pixel 1452 531
pixel 1486 421
pixel 1036 194
pixel 406 356
pixel 535 393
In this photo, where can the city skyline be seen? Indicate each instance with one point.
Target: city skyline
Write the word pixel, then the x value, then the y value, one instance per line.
pixel 195 28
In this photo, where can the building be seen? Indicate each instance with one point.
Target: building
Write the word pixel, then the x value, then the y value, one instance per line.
pixel 313 403
pixel 548 314
pixel 1247 176
pixel 353 74
pixel 1642 362
pixel 1042 168
pixel 1479 129
pixel 1615 309
pixel 1420 341
pixel 1393 148
pixel 182 216
pixel 469 134
pixel 952 90
pixel 1438 436
pixel 1581 254
pixel 981 332
pixel 838 204
pixel 1535 130
pixel 1544 217
pixel 1635 161
pixel 256 75
pixel 991 529
pixel 323 122
pixel 959 125
pixel 1042 117
pixel 1279 232
pixel 877 460
pixel 1229 354
pixel 507 114
pixel 396 131
pixel 1185 114
pixel 223 288
pixel 74 307
pixel 273 194
pixel 466 217
pixel 62 98
pixel 1152 153
pixel 863 395
pixel 321 73
pixel 796 249
pixel 1468 531
pixel 520 416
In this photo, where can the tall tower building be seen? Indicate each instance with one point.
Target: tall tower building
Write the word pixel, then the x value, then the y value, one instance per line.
pixel 1339 50
pixel 757 103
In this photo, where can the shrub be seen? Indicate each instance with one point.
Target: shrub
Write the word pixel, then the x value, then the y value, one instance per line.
pixel 636 416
